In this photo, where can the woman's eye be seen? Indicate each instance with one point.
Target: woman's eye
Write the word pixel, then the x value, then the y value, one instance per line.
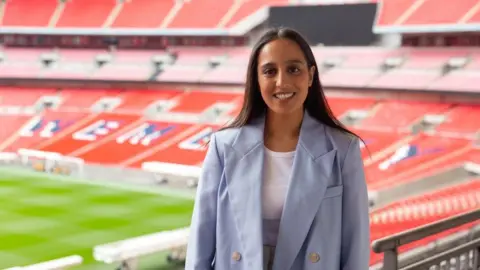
pixel 293 70
pixel 269 71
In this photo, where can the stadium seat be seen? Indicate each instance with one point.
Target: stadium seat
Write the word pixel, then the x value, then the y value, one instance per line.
pixel 198 101
pixel 142 14
pixel 337 77
pixel 423 209
pixel 22 97
pixel 131 141
pixel 83 98
pixel 10 126
pixel 89 131
pixel 39 13
pixel 73 14
pixel 187 16
pixel 406 157
pixel 137 101
pixel 440 12
pixel 250 7
pixel 461 119
pixel 392 10
pixel 44 127
pixel 341 105
pixel 397 115
pixel 189 151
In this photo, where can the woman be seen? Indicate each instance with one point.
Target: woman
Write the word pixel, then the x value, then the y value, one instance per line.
pixel 283 186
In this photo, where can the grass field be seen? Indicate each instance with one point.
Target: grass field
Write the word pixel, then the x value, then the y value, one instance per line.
pixel 43 218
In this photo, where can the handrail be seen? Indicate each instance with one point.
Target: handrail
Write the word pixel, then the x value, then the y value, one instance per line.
pixel 457 251
pixel 418 233
pixel 389 245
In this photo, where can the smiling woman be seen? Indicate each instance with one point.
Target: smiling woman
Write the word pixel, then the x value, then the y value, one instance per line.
pixel 283 186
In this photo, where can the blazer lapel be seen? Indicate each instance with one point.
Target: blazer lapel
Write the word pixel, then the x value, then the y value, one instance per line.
pixel 312 167
pixel 244 174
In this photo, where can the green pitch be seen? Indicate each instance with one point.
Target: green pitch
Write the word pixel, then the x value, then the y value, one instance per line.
pixel 42 218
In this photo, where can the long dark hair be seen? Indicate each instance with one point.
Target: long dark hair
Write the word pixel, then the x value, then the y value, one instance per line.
pixel 315 104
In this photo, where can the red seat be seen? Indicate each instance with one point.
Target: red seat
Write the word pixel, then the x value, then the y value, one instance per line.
pixel 44 127
pixel 137 101
pixel 395 115
pixel 462 119
pixel 201 14
pixel 391 10
pixel 131 141
pixel 190 150
pixel 10 126
pixel 87 132
pixel 28 13
pixel 341 105
pixel 74 12
pixel 83 98
pixel 198 101
pixel 440 12
pixel 249 7
pixel 409 156
pixel 143 13
pixel 22 97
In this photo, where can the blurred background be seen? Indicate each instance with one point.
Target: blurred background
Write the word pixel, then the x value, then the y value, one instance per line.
pixel 106 105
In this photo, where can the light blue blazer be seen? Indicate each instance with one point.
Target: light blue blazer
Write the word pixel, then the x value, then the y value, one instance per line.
pixel 325 221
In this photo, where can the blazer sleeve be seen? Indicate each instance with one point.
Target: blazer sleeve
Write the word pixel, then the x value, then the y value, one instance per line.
pixel 201 244
pixel 355 214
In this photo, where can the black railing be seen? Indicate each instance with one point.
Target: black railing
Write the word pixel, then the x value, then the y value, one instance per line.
pixel 389 245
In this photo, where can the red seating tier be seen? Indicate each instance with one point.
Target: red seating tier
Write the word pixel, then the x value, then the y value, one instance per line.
pixel 137 101
pixel 22 97
pixel 397 115
pixel 189 150
pixel 44 127
pixel 197 102
pixel 407 157
pixel 87 132
pixel 10 124
pixel 132 141
pixel 188 16
pixel 440 12
pixel 249 7
pixel 143 13
pixel 74 13
pixel 428 12
pixel 391 10
pixel 83 98
pixel 421 210
pixel 341 105
pixel 438 165
pixel 461 119
pixel 28 13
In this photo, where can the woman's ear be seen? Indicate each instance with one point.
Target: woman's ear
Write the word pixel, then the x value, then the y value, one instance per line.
pixel 311 75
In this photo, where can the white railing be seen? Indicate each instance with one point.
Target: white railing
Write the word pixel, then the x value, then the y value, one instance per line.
pixel 127 252
pixel 57 264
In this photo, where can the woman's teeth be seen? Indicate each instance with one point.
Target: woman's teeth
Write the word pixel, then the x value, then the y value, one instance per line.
pixel 283 96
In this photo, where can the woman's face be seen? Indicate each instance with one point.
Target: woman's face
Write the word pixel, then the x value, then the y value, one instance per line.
pixel 283 76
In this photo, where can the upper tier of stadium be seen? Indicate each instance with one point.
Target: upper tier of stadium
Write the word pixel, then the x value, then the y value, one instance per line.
pixel 221 14
pixel 366 67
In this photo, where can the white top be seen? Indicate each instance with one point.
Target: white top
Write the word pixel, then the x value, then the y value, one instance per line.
pixel 276 176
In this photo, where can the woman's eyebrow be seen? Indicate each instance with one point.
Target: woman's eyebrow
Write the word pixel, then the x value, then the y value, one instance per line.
pixel 292 61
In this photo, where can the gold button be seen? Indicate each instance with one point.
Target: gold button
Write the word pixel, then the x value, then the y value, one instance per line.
pixel 236 256
pixel 314 257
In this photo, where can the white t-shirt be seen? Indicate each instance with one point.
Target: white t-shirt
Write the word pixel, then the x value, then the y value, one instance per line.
pixel 276 176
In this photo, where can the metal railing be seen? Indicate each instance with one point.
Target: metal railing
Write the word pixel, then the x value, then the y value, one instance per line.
pixel 389 245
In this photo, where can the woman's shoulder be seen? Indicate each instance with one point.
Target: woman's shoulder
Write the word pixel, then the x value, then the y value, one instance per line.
pixel 341 138
pixel 226 135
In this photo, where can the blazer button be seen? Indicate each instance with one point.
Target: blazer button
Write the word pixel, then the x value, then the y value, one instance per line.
pixel 236 256
pixel 314 257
